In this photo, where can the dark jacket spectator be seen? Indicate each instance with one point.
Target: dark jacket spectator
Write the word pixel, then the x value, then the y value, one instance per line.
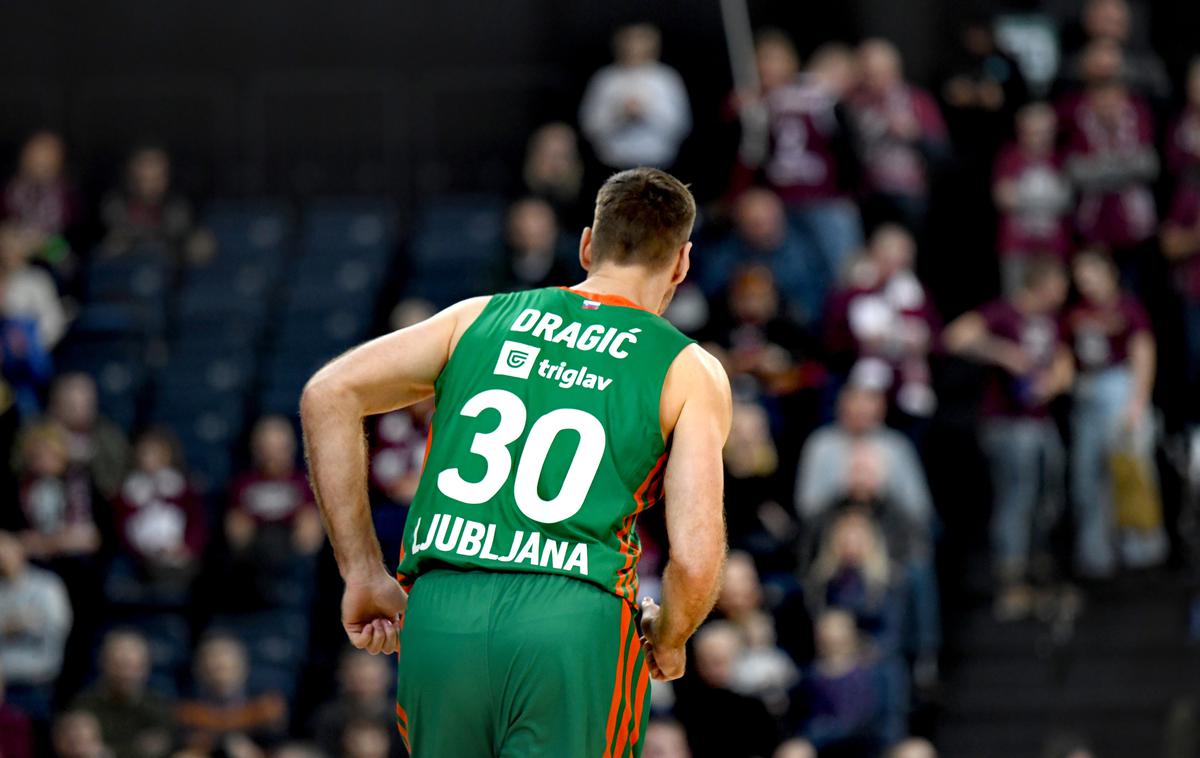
pixel 222 707
pixel 363 684
pixel 763 237
pixel 707 704
pixel 96 447
pixel 553 171
pixel 536 253
pixel 56 504
pixel 144 209
pixel 842 691
pixel 137 722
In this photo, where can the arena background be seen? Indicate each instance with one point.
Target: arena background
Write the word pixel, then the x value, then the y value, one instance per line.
pixel 342 160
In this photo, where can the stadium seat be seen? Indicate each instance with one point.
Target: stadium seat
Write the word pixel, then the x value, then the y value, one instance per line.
pixel 455 234
pixel 249 228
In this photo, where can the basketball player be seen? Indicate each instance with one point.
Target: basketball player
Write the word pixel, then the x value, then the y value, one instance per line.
pixel 561 415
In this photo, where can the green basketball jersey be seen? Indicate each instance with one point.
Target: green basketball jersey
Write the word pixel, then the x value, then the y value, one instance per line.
pixel 546 442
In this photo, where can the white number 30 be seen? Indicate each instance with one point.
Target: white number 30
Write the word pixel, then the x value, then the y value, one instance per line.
pixel 493 447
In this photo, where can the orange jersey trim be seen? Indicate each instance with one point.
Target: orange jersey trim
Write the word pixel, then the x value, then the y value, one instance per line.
pixel 600 297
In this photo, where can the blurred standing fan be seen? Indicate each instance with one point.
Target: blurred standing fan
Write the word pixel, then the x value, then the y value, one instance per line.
pixel 752 110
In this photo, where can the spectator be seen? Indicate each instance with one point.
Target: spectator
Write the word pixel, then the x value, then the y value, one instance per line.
pixel 903 137
pixel 160 523
pixel 910 546
pixel 880 329
pixel 96 447
pixel 137 721
pixel 25 368
pixel 756 521
pixel 16 730
pixel 1183 142
pixel 59 522
pixel 1018 337
pixel 984 88
pixel 762 237
pixel 1032 195
pixel 272 525
pixel 1110 22
pixel 853 572
pixel 536 255
pixel 635 111
pixel 665 738
pixel 78 734
pixel 363 684
pixel 221 707
pixel 809 159
pixel 1181 247
pixel 1111 160
pixel 27 291
pixel 553 172
pixel 399 452
pixel 762 670
pixel 913 747
pixel 35 620
pixel 145 210
pixel 366 738
pixel 842 691
pixel 708 704
pixel 824 474
pixel 40 198
pixel 1115 351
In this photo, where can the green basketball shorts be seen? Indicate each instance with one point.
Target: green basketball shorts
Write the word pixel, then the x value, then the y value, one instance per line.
pixel 518 665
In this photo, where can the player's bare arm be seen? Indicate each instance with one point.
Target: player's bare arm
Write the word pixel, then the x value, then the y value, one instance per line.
pixel 697 411
pixel 393 371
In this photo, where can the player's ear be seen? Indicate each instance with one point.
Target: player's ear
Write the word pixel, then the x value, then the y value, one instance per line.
pixel 585 248
pixel 683 263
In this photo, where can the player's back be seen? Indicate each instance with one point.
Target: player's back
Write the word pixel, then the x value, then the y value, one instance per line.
pixel 546 441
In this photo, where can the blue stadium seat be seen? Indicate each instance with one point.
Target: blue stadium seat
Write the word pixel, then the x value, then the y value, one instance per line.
pixel 250 228
pixel 118 367
pixel 142 275
pixel 455 234
pixel 276 642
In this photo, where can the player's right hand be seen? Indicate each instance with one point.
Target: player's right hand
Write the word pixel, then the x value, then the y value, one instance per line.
pixel 371 613
pixel 666 663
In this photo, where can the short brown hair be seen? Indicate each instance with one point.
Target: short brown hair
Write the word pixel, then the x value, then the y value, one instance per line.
pixel 643 215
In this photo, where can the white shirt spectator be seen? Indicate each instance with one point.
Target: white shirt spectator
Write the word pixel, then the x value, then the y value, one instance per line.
pixel 30 293
pixel 636 112
pixel 37 620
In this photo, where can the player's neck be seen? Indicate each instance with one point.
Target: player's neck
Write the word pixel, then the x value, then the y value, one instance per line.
pixel 628 282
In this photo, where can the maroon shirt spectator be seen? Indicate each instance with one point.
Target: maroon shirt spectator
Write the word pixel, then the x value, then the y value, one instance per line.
pixel 159 518
pixel 1037 335
pixel 1111 159
pixel 900 125
pixel 883 325
pixel 1099 333
pixel 39 196
pixel 1030 189
pixel 274 493
pixel 1183 144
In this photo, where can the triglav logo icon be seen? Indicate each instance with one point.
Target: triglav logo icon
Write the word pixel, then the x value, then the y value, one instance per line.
pixel 516 359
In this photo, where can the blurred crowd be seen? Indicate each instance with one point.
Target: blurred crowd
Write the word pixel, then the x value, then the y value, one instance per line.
pixel 140 616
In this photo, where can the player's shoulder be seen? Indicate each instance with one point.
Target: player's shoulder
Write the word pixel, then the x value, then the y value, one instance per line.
pixel 697 370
